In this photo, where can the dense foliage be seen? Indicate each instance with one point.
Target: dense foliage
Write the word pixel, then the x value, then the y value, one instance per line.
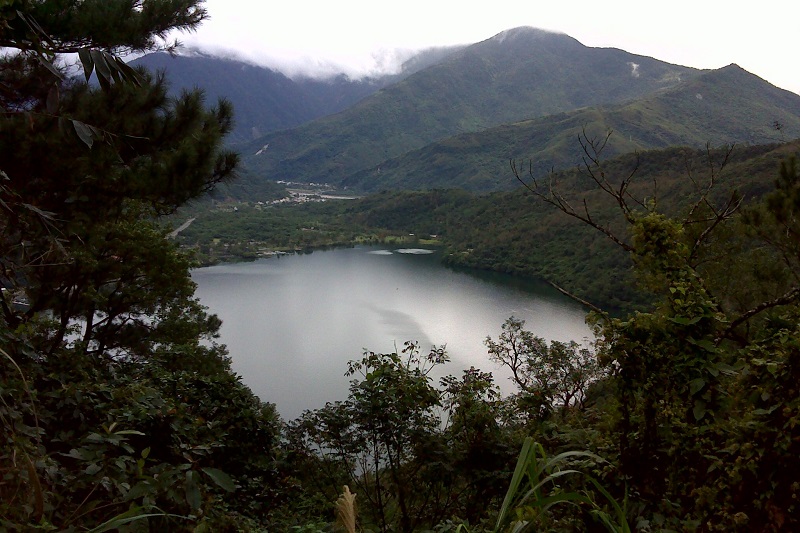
pixel 118 406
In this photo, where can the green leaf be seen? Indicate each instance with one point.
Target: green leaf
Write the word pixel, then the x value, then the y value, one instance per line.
pixel 726 369
pixel 84 132
pixel 80 453
pixel 126 72
pixel 699 410
pixel 101 69
pixel 39 212
pixel 526 456
pixel 192 490
pixel 85 56
pixel 683 321
pixel 49 66
pixel 35 27
pixel 705 344
pixel 131 515
pixel 695 385
pixel 128 432
pixel 220 478
pixel 763 412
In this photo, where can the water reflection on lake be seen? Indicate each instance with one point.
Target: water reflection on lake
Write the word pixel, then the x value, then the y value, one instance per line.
pixel 292 323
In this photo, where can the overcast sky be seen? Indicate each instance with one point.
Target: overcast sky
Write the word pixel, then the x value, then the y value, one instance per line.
pixel 369 36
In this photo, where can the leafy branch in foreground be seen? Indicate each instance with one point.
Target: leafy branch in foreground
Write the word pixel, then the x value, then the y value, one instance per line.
pixel 527 501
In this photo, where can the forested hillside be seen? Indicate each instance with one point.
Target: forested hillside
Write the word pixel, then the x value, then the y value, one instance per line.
pixel 266 100
pixel 715 108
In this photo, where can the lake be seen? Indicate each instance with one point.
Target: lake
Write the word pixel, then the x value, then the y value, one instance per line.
pixel 291 323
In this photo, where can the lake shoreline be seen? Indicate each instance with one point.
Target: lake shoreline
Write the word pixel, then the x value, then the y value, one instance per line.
pixel 291 325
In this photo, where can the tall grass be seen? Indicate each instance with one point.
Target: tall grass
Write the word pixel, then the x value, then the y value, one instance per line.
pixel 527 498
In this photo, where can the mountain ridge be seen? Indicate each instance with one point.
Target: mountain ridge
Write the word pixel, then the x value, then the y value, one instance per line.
pixel 479 161
pixel 457 115
pixel 264 98
pixel 522 74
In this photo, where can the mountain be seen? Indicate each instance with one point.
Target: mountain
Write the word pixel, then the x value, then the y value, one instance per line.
pixel 265 100
pixel 717 107
pixel 519 74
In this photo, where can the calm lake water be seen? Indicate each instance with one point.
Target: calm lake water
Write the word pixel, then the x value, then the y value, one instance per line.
pixel 291 323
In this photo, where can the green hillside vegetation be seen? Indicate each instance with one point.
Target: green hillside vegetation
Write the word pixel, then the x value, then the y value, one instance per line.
pixel 719 107
pixel 266 100
pixel 519 74
pixel 120 412
pixel 250 232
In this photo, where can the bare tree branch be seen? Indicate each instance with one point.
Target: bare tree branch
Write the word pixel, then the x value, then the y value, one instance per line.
pixel 731 207
pixel 704 191
pixel 578 299
pixel 789 297
pixel 556 199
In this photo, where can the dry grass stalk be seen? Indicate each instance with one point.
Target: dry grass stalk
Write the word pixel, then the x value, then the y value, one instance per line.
pixel 346 510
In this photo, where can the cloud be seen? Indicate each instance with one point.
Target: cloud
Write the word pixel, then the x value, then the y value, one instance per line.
pixel 298 63
pixel 634 69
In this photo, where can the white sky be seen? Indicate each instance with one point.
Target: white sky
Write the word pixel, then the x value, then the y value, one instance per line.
pixel 362 36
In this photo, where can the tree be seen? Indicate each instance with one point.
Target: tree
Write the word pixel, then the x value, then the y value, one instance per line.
pixel 547 376
pixel 117 400
pixel 383 433
pixel 83 169
pixel 78 236
pixel 480 448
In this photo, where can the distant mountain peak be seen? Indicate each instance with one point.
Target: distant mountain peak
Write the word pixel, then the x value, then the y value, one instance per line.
pixel 529 38
pixel 733 75
pixel 527 32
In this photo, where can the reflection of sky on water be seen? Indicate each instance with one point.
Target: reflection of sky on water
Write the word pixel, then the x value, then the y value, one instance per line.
pixel 292 323
pixel 415 251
